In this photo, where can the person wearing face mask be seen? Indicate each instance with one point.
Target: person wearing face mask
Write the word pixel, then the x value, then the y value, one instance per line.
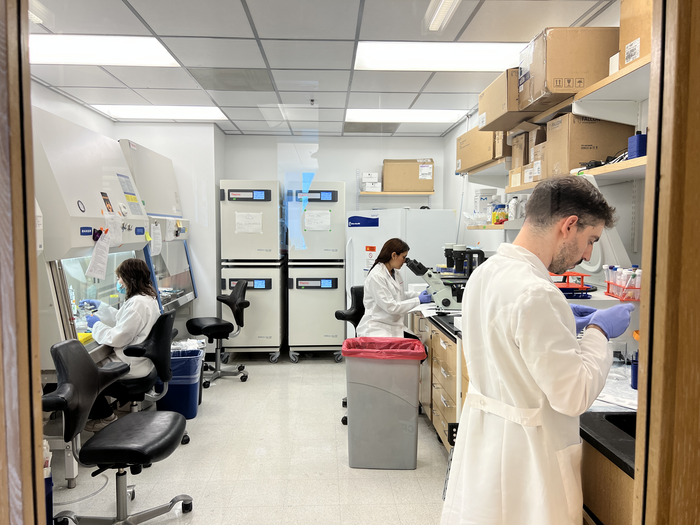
pixel 517 458
pixel 385 300
pixel 129 325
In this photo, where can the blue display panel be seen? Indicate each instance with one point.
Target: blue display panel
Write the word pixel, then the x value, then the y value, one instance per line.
pixel 259 195
pixel 326 283
pixel 326 196
pixel 259 284
pixel 317 284
pixel 317 196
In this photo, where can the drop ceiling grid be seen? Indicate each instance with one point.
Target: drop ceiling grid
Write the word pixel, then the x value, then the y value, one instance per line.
pixel 261 33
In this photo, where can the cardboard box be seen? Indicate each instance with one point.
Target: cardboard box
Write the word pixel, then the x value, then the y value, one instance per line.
pixel 561 61
pixel 535 137
pixel 372 186
pixel 408 174
pixel 572 140
pixel 475 148
pixel 520 151
pixel 515 177
pixel 539 162
pixel 528 173
pixel 635 30
pixel 498 104
pixel 614 64
pixel 370 177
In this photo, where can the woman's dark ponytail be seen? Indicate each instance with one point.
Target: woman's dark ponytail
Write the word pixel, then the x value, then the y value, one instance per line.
pixel 394 245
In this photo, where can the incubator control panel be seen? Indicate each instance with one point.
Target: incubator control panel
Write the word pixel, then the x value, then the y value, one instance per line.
pixel 249 195
pixel 330 283
pixel 253 284
pixel 317 195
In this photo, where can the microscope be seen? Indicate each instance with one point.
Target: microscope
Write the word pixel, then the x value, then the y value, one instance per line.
pixel 443 294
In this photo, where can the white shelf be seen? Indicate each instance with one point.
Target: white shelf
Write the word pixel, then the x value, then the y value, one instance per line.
pixel 617 97
pixel 523 188
pixel 487 227
pixel 494 173
pixel 634 169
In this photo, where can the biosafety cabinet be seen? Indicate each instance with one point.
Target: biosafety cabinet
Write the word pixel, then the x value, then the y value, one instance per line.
pixel 85 190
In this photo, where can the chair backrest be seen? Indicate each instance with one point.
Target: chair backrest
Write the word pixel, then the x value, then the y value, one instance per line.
pixel 353 315
pixel 157 345
pixel 80 381
pixel 236 301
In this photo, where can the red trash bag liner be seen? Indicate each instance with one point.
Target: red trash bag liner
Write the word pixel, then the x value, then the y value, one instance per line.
pixel 384 348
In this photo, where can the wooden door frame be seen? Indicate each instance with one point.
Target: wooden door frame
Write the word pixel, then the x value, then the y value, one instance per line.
pixel 667 473
pixel 21 466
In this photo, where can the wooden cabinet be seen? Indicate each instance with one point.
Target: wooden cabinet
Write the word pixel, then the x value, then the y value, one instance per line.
pixel 421 328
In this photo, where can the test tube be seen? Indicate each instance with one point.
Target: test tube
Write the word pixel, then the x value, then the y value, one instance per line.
pixel 606 272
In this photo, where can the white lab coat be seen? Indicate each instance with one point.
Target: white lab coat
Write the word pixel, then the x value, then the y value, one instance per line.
pixel 518 452
pixel 130 325
pixel 386 303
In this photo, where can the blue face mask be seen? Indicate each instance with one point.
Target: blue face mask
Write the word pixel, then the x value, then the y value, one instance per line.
pixel 121 289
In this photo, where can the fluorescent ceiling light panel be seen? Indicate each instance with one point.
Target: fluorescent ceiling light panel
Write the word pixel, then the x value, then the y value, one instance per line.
pixel 404 115
pixel 97 50
pixel 439 14
pixel 437 56
pixel 162 112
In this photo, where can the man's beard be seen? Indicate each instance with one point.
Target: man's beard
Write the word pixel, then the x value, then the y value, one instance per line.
pixel 561 261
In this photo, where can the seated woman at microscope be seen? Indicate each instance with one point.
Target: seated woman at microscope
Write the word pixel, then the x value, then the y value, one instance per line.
pixel 385 300
pixel 130 325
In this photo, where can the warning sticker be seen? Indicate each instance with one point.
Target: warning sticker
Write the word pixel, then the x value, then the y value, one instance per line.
pixel 558 82
pixel 580 82
pixel 568 82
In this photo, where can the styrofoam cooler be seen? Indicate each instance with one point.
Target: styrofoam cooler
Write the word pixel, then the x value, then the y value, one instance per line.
pixel 383 406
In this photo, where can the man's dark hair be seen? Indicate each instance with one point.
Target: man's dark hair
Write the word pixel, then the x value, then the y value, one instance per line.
pixel 559 197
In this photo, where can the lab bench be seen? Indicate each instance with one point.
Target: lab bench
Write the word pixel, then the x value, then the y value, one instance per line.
pixel 607 431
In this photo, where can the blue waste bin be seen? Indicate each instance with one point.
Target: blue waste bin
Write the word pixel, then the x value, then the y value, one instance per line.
pixel 183 388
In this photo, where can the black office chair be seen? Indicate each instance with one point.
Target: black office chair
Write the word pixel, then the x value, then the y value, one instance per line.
pixel 218 329
pixel 352 315
pixel 134 440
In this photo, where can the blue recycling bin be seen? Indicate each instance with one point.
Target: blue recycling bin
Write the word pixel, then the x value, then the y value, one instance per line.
pixel 183 388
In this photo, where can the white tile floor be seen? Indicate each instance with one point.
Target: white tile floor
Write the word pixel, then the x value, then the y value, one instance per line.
pixel 272 451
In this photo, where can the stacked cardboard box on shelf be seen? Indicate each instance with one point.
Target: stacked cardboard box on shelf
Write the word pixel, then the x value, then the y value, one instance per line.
pixel 371 182
pixel 409 175
pixel 498 104
pixel 476 148
pixel 520 151
pixel 635 30
pixel 560 62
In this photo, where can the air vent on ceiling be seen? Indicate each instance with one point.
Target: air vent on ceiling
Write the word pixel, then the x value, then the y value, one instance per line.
pixel 223 79
pixel 370 127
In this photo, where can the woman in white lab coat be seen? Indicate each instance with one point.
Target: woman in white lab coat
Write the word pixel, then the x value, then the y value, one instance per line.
pixel 129 325
pixel 385 300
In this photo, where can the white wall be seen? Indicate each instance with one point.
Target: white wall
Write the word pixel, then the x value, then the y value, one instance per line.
pixel 334 159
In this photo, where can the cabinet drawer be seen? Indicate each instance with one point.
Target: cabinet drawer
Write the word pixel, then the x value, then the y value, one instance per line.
pixel 443 375
pixel 442 400
pixel 446 351
pixel 441 427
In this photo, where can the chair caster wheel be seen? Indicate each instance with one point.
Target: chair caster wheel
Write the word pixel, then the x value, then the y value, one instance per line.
pixel 244 379
pixel 148 465
pixel 294 358
pixel 241 368
pixel 133 494
pixel 274 359
pixel 205 384
pixel 60 521
pixel 344 420
pixel 338 358
pixel 185 439
pixel 345 402
pixel 186 507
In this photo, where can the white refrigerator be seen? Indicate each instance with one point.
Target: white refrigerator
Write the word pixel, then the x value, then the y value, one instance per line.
pixel 316 279
pixel 252 248
pixel 425 232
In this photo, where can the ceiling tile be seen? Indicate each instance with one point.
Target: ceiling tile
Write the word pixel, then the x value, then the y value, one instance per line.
pixel 216 52
pixel 608 18
pixel 370 127
pixel 307 19
pixel 349 134
pixel 269 133
pixel 200 18
pixel 431 101
pixel 381 100
pixel 403 20
pixel 414 127
pixel 176 97
pixel 319 126
pixel 221 79
pixel 244 98
pixel 91 17
pixel 389 81
pixel 518 21
pixel 313 114
pixel 309 80
pixel 226 126
pixel 295 54
pixel 418 134
pixel 261 125
pixel 271 113
pixel 153 77
pixel 232 133
pixel 322 100
pixel 83 76
pixel 454 82
pixel 106 95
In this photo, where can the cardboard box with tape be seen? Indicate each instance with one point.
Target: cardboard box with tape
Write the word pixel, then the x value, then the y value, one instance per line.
pixel 521 153
pixel 515 177
pixel 408 175
pixel 476 148
pixel 562 61
pixel 498 104
pixel 635 30
pixel 573 140
pixel 535 137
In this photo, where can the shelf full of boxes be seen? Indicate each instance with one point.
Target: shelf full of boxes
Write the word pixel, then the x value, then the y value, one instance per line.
pixel 399 177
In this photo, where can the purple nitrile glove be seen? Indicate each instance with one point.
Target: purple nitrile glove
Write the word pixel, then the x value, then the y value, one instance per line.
pixel 91 320
pixel 613 321
pixel 425 297
pixel 582 315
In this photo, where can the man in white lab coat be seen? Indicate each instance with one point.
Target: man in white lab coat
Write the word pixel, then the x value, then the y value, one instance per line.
pixel 518 451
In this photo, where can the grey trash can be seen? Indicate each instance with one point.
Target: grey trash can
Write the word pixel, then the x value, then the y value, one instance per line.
pixel 382 380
